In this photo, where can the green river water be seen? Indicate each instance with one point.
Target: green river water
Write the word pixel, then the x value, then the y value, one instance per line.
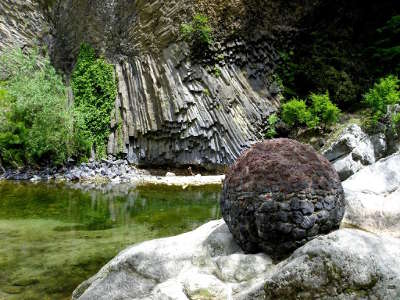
pixel 53 237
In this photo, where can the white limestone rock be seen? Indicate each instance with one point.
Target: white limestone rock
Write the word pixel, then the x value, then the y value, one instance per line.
pixel 373 197
pixel 346 264
pixel 351 151
pixel 203 263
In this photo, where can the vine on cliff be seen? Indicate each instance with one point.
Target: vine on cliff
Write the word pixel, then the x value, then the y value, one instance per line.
pixel 94 87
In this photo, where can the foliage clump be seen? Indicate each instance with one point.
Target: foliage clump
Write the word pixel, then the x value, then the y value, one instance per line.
pixel 94 87
pixel 37 126
pixel 385 92
pixel 322 111
pixel 295 113
pixel 198 33
pixel 271 130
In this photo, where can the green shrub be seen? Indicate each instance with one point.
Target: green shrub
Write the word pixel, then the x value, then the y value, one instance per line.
pixel 323 110
pixel 271 131
pixel 295 113
pixel 94 87
pixel 198 32
pixel 37 126
pixel 396 122
pixel 385 92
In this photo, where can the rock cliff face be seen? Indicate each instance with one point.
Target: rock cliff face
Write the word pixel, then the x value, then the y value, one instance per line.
pixel 171 108
pixel 22 23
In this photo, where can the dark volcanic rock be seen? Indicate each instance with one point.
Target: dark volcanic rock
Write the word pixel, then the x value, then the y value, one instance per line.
pixel 279 195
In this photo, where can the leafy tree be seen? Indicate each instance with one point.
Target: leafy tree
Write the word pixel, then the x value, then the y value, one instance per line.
pixel 95 89
pixel 37 126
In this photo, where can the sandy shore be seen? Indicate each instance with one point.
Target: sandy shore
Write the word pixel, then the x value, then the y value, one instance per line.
pixel 183 181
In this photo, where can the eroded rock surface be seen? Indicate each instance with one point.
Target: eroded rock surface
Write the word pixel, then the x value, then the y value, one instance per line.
pixel 203 264
pixel 207 264
pixel 373 197
pixel 280 194
pixel 354 150
pixel 346 264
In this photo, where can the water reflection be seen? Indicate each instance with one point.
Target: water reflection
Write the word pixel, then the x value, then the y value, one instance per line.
pixel 52 237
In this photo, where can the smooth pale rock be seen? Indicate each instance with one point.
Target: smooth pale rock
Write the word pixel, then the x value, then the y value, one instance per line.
pixel 203 264
pixel 373 197
pixel 207 264
pixel 170 174
pixel 351 151
pixel 346 264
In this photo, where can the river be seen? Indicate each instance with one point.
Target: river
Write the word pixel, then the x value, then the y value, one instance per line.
pixel 54 236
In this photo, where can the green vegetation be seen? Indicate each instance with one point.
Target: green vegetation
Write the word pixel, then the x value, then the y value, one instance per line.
pixel 396 122
pixel 295 113
pixel 321 112
pixel 94 87
pixel 37 126
pixel 271 130
pixel 342 54
pixel 385 92
pixel 387 48
pixel 217 71
pixel 198 33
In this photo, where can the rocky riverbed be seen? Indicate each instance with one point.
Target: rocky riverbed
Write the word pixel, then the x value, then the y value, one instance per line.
pixel 109 172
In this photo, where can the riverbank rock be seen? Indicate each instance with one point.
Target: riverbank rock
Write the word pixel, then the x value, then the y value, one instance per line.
pixel 203 264
pixel 279 195
pixel 207 264
pixel 353 150
pixel 346 264
pixel 372 197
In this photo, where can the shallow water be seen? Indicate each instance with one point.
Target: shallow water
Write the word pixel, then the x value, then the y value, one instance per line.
pixel 53 237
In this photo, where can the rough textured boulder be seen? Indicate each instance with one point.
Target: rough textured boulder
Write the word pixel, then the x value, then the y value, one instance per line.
pixel 353 150
pixel 373 197
pixel 346 264
pixel 279 195
pixel 203 264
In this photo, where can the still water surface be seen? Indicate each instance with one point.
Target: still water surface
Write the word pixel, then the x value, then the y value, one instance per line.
pixel 53 237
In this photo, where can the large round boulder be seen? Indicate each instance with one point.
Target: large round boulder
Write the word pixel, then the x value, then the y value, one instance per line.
pixel 280 194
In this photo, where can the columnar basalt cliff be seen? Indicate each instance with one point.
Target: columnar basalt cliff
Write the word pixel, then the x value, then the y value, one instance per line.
pixel 22 23
pixel 173 108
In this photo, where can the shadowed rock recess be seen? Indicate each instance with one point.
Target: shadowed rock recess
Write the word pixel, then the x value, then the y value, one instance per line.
pixel 279 195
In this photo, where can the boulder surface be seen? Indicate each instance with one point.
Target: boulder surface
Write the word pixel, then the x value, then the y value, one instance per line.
pixel 353 150
pixel 207 264
pixel 346 264
pixel 203 264
pixel 372 197
pixel 279 195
